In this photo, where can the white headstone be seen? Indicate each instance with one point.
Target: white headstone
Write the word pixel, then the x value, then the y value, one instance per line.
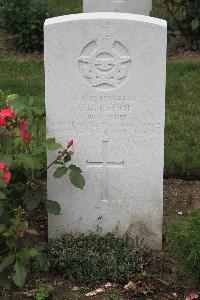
pixel 105 88
pixel 142 7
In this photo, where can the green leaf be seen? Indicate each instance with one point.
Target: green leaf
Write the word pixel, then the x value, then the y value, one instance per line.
pixel 41 263
pixel 1 172
pixel 38 150
pixel 28 253
pixel 42 293
pixel 18 141
pixel 7 142
pixel 2 183
pixel 75 168
pixel 4 281
pixel 59 172
pixel 2 228
pixel 32 204
pixel 30 100
pixel 38 110
pixel 76 177
pixel 2 195
pixel 52 145
pixel 67 158
pixel 195 24
pixel 18 106
pixel 1 208
pixel 53 207
pixel 20 275
pixel 8 260
pixel 6 158
pixel 28 161
pixel 34 197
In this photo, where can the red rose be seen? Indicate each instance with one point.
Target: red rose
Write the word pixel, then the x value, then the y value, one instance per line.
pixel 26 136
pixel 70 143
pixel 24 127
pixel 3 121
pixel 5 114
pixel 6 172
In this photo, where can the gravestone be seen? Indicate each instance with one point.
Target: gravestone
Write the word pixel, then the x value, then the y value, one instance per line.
pixel 105 89
pixel 142 7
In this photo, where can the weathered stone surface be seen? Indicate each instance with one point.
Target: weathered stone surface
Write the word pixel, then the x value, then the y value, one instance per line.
pixel 142 7
pixel 105 88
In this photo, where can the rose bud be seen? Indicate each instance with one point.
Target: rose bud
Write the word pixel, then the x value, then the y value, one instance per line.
pixel 70 143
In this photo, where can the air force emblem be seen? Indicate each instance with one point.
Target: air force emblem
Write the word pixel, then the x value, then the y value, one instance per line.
pixel 104 63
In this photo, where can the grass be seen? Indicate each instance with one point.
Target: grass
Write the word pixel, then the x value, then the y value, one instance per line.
pixel 182 136
pixel 24 77
pixel 184 242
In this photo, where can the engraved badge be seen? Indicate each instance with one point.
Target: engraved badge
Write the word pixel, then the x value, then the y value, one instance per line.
pixel 105 63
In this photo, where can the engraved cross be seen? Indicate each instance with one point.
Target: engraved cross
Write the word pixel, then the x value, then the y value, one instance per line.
pixel 105 164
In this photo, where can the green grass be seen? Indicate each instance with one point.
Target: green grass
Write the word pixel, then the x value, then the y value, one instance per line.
pixel 22 76
pixel 182 139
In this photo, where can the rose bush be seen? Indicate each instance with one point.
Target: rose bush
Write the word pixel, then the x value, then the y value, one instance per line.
pixel 22 189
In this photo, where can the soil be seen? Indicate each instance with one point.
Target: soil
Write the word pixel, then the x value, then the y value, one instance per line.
pixel 179 49
pixel 164 281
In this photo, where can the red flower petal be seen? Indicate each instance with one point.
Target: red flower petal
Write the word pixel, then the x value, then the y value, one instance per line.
pixel 70 143
pixel 7 113
pixel 7 175
pixel 3 121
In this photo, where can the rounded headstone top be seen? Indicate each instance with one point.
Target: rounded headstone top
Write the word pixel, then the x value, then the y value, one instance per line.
pixel 105 16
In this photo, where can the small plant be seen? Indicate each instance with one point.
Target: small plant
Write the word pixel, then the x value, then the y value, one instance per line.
pixel 42 293
pixel 184 241
pixel 22 164
pixel 94 259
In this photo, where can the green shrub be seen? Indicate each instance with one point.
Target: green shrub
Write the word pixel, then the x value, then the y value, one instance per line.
pixel 184 18
pixel 184 241
pixel 93 259
pixel 24 21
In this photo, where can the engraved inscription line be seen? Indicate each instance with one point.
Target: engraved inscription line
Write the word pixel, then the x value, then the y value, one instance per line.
pixel 117 1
